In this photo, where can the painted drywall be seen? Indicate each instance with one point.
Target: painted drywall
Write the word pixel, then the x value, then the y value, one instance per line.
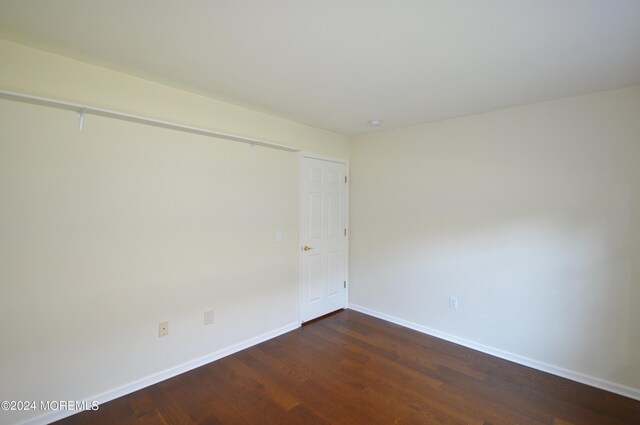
pixel 530 216
pixel 44 74
pixel 108 231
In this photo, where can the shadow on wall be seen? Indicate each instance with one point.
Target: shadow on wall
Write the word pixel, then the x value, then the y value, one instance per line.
pixel 557 287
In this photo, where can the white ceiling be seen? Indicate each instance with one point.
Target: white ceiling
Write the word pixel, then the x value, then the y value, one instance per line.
pixel 336 64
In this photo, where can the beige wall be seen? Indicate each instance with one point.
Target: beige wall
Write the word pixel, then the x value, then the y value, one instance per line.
pixel 108 231
pixel 529 215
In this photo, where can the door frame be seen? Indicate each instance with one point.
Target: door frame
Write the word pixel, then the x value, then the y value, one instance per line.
pixel 301 155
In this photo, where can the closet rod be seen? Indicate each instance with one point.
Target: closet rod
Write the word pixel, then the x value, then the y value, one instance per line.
pixel 84 109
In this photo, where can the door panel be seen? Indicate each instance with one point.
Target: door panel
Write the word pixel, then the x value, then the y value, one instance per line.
pixel 333 273
pixel 314 277
pixel 315 215
pixel 333 199
pixel 323 219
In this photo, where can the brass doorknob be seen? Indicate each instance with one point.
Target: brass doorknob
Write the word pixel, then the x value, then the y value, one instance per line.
pixel 306 248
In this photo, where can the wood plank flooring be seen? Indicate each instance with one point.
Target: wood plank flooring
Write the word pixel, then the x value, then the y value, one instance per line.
pixel 350 368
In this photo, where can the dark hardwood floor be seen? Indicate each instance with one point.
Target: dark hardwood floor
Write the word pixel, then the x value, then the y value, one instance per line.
pixel 350 368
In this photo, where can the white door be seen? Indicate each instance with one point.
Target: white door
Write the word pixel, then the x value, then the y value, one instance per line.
pixel 323 237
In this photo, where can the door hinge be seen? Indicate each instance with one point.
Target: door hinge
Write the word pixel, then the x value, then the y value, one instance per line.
pixel 345 179
pixel 345 284
pixel 345 231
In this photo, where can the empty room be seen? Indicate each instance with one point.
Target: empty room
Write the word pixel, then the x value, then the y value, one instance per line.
pixel 319 212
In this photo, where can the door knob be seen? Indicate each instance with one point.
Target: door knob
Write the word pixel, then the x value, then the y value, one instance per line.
pixel 306 248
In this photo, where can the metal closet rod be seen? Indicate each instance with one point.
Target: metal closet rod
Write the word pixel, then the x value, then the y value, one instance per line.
pixel 82 110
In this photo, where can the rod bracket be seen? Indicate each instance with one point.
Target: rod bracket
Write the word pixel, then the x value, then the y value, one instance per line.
pixel 81 114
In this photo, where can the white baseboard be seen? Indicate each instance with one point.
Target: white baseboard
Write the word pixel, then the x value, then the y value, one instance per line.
pixel 165 374
pixel 555 370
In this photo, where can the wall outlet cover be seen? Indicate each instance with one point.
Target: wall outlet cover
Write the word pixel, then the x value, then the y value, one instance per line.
pixel 163 329
pixel 208 317
pixel 453 303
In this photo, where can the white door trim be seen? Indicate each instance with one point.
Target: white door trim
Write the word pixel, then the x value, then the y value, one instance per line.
pixel 311 155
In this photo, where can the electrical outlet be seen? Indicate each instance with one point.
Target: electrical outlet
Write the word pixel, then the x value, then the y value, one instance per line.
pixel 163 329
pixel 208 317
pixel 453 303
pixel 279 236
